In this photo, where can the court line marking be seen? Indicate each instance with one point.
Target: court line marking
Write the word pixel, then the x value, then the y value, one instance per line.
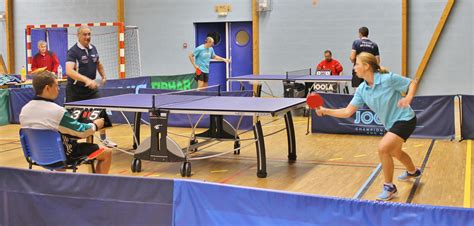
pixel 219 171
pixel 423 165
pixel 11 149
pixel 231 177
pixel 467 176
pixel 368 182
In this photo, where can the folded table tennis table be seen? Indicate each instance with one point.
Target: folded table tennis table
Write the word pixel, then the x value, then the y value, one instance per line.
pixel 160 147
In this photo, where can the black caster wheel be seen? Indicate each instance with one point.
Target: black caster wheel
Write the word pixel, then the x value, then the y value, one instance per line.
pixel 185 169
pixel 136 165
pixel 192 142
pixel 237 147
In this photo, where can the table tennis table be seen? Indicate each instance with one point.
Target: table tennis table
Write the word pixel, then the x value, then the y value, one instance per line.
pixel 293 78
pixel 288 78
pixel 160 147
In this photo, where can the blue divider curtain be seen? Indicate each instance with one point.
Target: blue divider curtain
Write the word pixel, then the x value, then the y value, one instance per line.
pixel 467 125
pixel 58 43
pixel 36 36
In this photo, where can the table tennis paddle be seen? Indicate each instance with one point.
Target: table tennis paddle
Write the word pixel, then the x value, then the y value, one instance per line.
pixel 96 153
pixel 314 101
pixel 198 71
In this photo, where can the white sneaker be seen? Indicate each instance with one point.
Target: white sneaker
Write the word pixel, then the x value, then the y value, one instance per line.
pixel 108 143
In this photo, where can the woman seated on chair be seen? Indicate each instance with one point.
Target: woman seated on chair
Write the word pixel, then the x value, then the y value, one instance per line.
pixel 43 113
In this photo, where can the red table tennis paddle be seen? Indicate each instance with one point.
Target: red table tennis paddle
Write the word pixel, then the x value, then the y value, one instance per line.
pixel 314 100
pixel 96 153
pixel 198 71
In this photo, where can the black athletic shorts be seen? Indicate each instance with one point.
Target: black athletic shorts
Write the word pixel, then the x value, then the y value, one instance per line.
pixel 356 81
pixel 76 93
pixel 75 149
pixel 203 77
pixel 404 129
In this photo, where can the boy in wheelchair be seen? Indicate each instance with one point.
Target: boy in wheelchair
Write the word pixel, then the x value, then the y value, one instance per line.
pixel 43 113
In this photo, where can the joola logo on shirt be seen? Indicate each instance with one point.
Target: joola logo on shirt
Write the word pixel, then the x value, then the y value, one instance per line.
pixel 366 117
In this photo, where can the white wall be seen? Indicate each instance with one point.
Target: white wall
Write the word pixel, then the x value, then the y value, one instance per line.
pixel 450 69
pixel 292 36
pixel 166 24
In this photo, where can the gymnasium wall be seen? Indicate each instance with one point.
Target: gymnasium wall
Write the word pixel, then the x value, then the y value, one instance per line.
pixel 451 68
pixel 165 25
pixel 293 34
pixel 56 11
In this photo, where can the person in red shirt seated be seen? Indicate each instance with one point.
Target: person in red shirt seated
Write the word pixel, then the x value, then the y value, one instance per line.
pixel 330 64
pixel 45 58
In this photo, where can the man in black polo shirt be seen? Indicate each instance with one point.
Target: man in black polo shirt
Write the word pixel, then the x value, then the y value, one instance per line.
pixel 363 44
pixel 82 65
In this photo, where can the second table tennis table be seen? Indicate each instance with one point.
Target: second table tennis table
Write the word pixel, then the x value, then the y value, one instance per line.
pixel 288 78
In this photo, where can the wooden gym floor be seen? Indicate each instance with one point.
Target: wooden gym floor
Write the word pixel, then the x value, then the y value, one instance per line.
pixel 327 165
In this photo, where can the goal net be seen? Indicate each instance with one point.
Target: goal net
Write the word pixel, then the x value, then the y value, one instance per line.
pixel 118 45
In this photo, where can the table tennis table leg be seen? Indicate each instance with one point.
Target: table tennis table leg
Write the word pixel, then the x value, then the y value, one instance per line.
pixel 261 157
pixel 136 129
pixel 290 133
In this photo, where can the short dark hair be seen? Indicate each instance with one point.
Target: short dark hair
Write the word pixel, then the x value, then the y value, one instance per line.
pixel 41 80
pixel 328 51
pixel 364 31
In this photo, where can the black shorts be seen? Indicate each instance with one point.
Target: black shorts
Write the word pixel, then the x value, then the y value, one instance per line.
pixel 75 93
pixel 404 129
pixel 356 81
pixel 203 77
pixel 76 150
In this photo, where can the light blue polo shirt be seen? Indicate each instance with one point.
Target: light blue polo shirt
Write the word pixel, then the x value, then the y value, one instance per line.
pixel 203 56
pixel 383 96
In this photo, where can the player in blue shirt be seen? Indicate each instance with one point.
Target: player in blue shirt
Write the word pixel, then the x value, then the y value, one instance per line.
pixel 382 93
pixel 201 57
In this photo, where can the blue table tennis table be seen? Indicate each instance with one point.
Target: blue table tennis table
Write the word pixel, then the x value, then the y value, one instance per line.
pixel 292 78
pixel 160 147
pixel 288 78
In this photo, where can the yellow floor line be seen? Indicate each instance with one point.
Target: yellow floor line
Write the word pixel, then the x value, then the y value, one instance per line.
pixel 467 176
pixel 219 171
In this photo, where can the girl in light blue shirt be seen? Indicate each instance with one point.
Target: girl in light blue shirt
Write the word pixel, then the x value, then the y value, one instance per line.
pixel 382 93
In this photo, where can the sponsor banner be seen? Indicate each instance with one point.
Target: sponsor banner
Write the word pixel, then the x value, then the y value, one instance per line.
pixel 435 117
pixel 174 82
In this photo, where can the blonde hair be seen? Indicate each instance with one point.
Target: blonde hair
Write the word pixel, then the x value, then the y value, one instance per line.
pixel 42 42
pixel 368 58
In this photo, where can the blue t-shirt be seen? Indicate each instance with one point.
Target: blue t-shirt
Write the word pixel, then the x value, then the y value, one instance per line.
pixel 85 59
pixel 203 56
pixel 365 45
pixel 383 97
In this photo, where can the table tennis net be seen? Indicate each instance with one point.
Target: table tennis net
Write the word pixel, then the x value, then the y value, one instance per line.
pixel 298 73
pixel 173 97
